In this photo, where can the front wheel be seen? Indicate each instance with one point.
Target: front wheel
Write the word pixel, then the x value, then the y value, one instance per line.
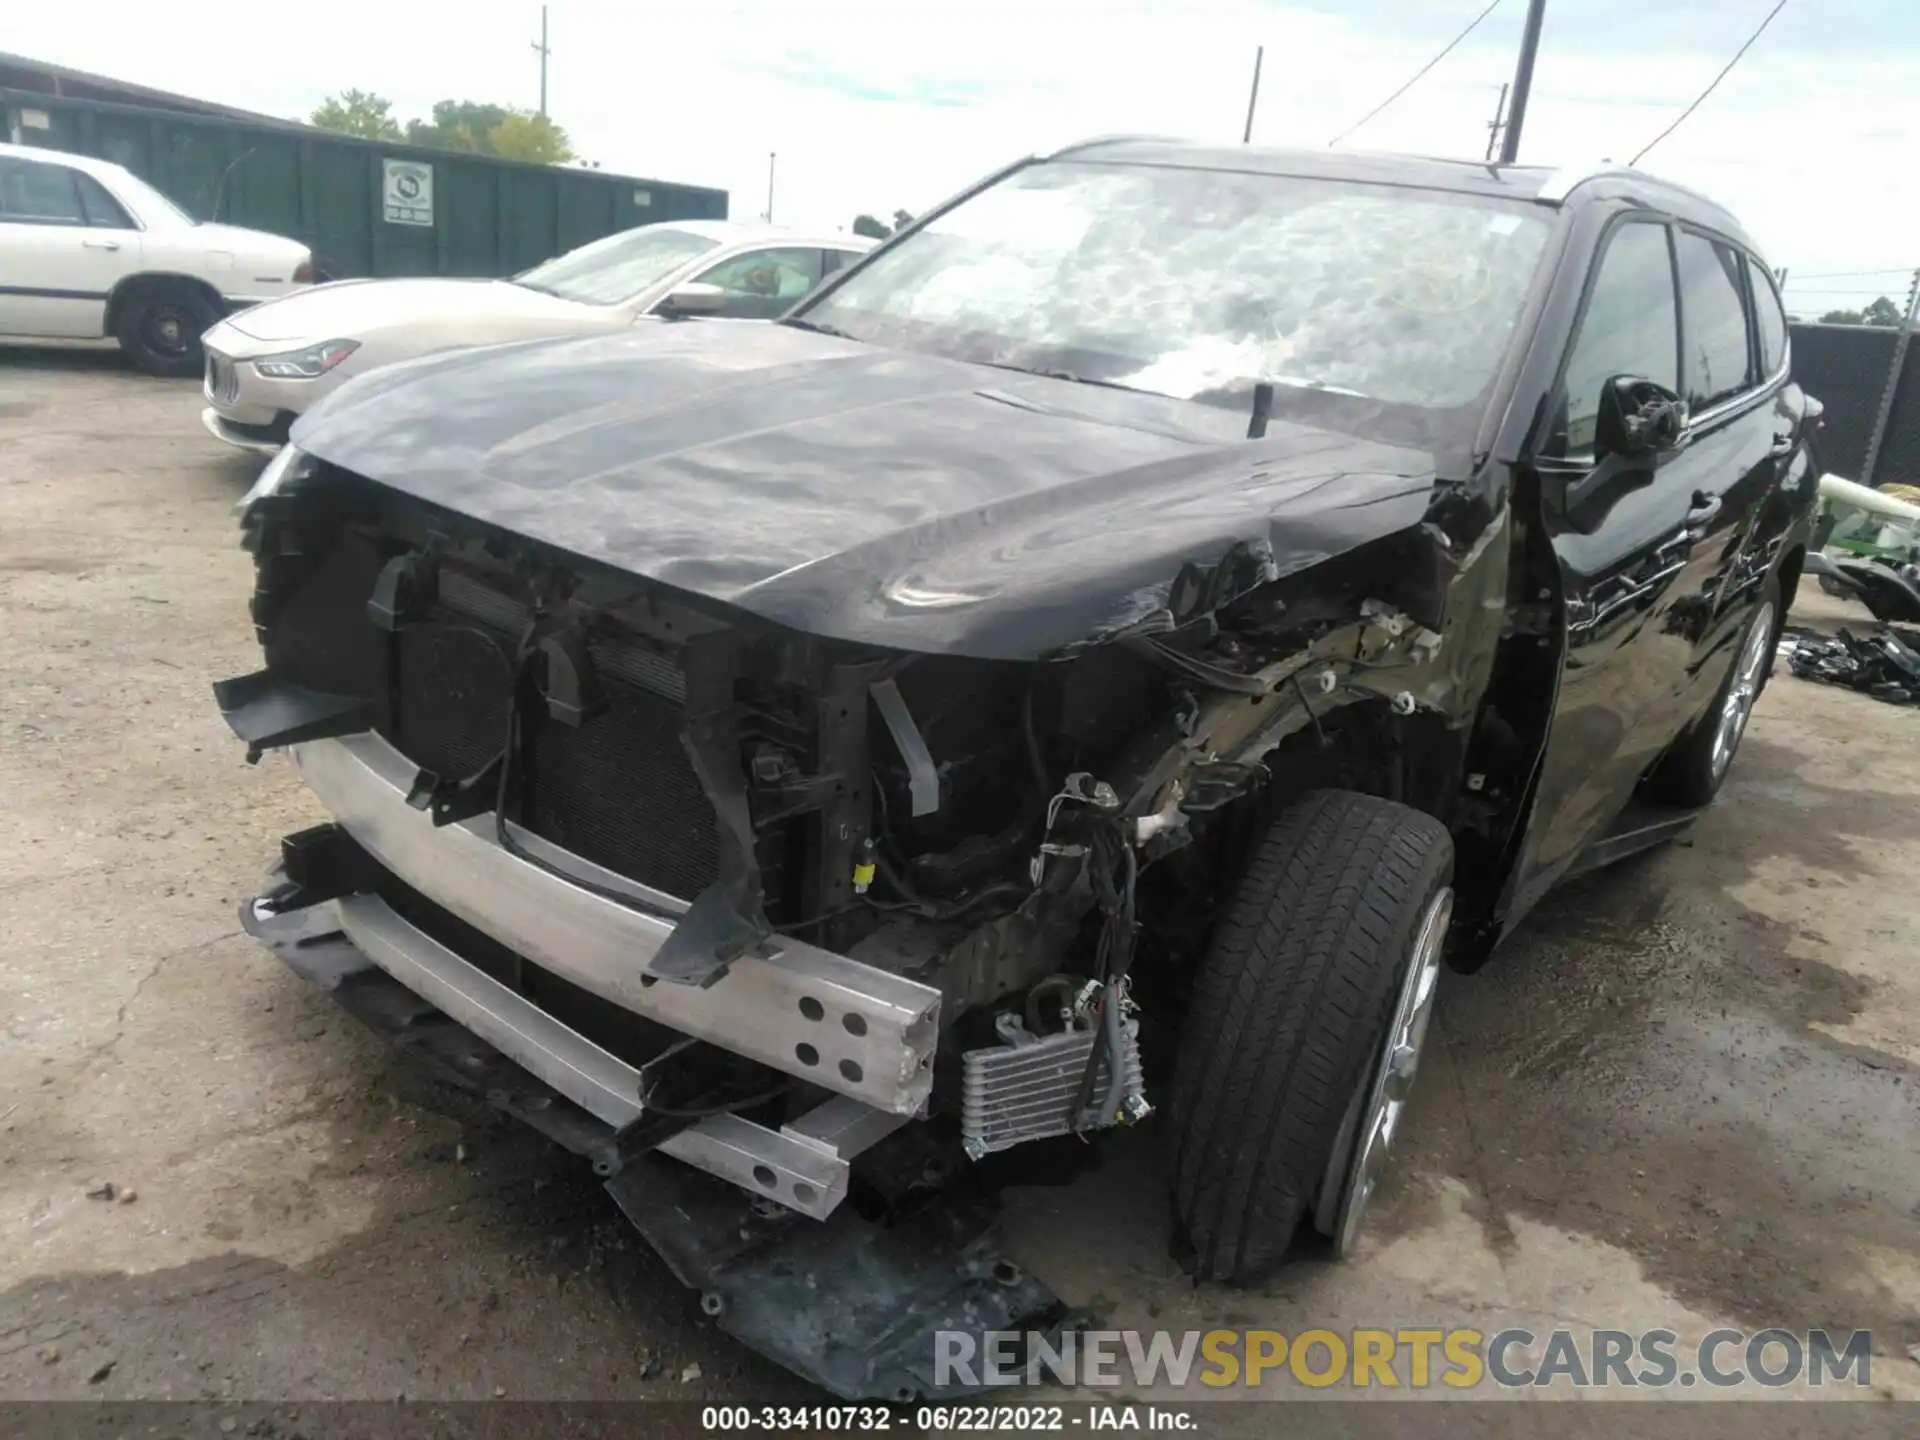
pixel 1308 1020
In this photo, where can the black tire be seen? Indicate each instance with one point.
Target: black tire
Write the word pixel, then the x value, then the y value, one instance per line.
pixel 1688 775
pixel 1290 1011
pixel 159 326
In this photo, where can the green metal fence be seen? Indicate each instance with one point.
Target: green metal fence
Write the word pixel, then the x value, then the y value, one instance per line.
pixel 340 195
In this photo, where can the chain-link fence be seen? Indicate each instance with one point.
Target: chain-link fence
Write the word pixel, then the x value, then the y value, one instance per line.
pixel 1873 415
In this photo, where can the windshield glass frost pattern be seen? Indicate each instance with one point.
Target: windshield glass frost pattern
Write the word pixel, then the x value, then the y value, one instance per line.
pixel 618 267
pixel 1188 281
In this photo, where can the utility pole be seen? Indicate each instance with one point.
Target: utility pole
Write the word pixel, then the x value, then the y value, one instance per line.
pixel 1496 125
pixel 1253 97
pixel 771 156
pixel 542 50
pixel 1522 81
pixel 1895 369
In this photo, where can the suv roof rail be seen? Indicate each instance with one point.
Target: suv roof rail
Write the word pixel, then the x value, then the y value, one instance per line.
pixel 1563 180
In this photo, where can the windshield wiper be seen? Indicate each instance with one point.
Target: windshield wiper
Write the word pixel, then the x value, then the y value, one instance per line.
pixel 1066 375
pixel 817 328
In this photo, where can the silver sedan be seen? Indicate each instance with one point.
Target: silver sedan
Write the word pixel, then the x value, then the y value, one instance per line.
pixel 268 364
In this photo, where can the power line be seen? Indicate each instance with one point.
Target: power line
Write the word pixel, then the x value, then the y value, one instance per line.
pixel 1849 274
pixel 1778 7
pixel 1495 5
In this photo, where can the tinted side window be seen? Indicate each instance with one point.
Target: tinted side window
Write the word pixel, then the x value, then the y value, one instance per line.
pixel 832 260
pixel 1718 352
pixel 35 194
pixel 102 209
pixel 1630 327
pixel 1770 320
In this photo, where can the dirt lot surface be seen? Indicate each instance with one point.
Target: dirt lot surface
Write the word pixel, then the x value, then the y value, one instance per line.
pixel 1686 1094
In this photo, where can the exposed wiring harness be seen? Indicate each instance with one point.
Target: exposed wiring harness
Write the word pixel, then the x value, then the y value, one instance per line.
pixel 912 900
pixel 1114 870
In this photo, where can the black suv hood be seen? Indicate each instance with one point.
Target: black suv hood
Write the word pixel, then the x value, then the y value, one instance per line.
pixel 863 494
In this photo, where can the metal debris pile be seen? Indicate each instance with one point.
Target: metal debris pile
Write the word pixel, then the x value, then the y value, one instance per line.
pixel 1884 664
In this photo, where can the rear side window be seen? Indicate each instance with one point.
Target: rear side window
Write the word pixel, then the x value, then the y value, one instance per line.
pixel 1630 327
pixel 1770 321
pixel 36 194
pixel 1719 351
pixel 103 211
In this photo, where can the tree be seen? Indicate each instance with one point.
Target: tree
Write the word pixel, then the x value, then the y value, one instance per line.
pixel 874 229
pixel 530 137
pixel 357 112
pixel 464 125
pixel 459 125
pixel 503 130
pixel 1881 312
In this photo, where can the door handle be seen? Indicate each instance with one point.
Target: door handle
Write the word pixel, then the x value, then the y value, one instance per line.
pixel 1706 506
pixel 101 244
pixel 1782 445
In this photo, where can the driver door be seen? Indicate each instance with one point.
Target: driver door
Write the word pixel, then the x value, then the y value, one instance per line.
pixel 1624 553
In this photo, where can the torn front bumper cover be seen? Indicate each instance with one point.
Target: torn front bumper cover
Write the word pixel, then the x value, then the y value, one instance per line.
pixel 851 1305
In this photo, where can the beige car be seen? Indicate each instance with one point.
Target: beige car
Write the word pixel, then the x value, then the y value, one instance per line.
pixel 90 251
pixel 267 365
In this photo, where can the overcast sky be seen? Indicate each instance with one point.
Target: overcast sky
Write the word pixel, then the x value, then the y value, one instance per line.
pixel 1813 140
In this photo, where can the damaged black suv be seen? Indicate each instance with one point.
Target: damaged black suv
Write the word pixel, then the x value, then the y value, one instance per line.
pixel 1102 651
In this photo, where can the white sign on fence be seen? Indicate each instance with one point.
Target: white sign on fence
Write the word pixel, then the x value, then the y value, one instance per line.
pixel 407 195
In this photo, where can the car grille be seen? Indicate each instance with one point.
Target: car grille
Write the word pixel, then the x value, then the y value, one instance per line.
pixel 223 380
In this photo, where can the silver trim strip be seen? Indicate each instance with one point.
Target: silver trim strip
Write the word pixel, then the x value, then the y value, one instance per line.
pixel 801 1174
pixel 875 1036
pixel 1745 399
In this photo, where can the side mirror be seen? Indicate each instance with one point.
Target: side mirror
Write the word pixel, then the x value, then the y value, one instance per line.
pixel 1638 419
pixel 692 298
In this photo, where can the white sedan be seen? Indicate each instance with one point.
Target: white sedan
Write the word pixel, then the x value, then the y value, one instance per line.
pixel 267 366
pixel 88 250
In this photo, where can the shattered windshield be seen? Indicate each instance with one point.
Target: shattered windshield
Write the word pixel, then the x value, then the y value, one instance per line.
pixel 618 267
pixel 1199 283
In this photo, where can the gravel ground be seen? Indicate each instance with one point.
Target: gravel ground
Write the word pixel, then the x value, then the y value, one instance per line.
pixel 1686 1094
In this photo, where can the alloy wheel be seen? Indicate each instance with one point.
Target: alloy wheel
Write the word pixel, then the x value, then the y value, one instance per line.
pixel 1742 690
pixel 1366 1136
